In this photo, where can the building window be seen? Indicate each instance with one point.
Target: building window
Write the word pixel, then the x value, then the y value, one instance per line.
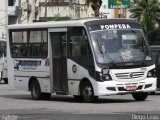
pixel 11 2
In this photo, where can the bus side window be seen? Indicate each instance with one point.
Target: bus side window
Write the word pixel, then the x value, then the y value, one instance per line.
pixel 78 42
pixel 74 46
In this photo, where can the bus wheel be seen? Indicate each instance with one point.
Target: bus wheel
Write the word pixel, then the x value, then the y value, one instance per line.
pixel 140 96
pixel 36 90
pixel 87 92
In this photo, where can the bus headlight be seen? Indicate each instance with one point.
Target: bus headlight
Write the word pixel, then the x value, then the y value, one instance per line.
pixel 151 73
pixel 105 77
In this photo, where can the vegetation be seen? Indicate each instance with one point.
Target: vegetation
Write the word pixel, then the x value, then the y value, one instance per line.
pixel 95 4
pixel 148 14
pixel 55 18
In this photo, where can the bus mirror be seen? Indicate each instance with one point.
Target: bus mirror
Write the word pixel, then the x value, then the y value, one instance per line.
pixel 105 71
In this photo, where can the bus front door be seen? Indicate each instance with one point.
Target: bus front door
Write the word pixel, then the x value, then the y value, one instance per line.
pixel 59 61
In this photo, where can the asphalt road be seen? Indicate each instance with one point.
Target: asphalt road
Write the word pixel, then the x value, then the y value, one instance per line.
pixel 18 104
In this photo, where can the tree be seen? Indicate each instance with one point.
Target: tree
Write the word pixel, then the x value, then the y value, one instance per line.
pixel 148 14
pixel 95 4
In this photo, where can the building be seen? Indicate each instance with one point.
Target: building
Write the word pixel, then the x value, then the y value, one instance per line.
pixel 44 10
pixel 111 9
pixel 85 11
pixel 13 11
pixel 2 21
pixel 104 11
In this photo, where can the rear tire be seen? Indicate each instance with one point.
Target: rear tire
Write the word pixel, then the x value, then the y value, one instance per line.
pixel 36 90
pixel 140 96
pixel 87 92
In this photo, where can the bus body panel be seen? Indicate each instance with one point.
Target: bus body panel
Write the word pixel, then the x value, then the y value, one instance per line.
pixel 76 73
pixel 119 88
pixel 100 88
pixel 23 84
pixel 25 70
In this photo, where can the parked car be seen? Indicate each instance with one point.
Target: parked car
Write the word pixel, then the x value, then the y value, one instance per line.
pixel 155 49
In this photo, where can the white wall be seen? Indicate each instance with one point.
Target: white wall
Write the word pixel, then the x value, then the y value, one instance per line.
pixel 3 19
pixel 85 11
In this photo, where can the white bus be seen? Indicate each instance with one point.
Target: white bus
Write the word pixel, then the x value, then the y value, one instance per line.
pixel 83 58
pixel 3 61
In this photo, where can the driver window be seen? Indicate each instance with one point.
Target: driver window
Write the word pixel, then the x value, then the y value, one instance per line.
pixel 78 42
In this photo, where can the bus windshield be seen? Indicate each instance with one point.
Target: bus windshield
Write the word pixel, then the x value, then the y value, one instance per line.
pixel 120 45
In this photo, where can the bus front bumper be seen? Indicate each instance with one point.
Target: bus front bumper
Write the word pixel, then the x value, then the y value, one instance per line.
pixel 116 87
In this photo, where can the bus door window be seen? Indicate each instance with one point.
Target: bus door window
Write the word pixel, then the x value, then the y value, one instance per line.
pixel 59 49
pixel 56 43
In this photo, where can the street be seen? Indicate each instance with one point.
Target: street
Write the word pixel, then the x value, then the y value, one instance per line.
pixel 19 104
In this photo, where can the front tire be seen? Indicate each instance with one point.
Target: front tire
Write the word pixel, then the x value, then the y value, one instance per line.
pixel 140 96
pixel 87 92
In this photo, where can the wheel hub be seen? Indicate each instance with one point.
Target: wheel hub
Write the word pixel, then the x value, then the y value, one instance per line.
pixel 87 91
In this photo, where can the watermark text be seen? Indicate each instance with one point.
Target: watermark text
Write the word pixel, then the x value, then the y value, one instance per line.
pixel 145 117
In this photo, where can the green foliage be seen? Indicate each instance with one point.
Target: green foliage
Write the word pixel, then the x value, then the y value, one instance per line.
pixel 56 18
pixel 148 14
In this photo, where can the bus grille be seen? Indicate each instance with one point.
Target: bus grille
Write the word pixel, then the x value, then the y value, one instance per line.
pixel 132 75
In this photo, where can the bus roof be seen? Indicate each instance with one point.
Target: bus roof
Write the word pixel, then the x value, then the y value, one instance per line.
pixel 70 23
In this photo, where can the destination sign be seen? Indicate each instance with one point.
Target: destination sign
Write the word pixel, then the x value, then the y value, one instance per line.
pixel 106 24
pixel 115 26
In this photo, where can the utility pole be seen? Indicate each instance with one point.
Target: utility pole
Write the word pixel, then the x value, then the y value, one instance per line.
pixel 45 10
pixel 20 10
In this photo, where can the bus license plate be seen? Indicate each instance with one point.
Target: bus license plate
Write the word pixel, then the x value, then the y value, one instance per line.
pixel 131 88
